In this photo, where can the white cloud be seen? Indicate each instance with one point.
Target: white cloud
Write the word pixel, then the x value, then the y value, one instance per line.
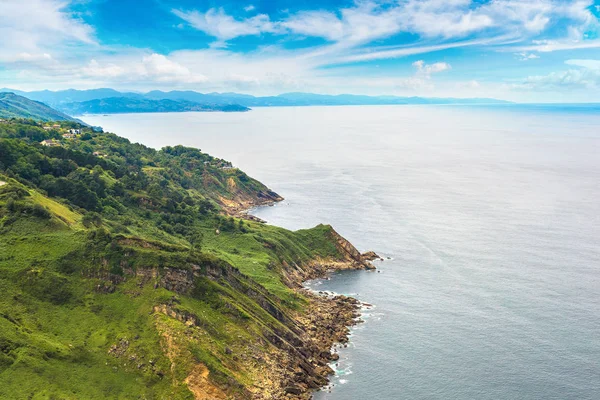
pixel 587 76
pixel 249 8
pixel 163 69
pixel 263 70
pixel 547 46
pixel 434 18
pixel 316 23
pixel 572 78
pixel 152 67
pixel 524 56
pixel 216 23
pixel 29 58
pixel 55 47
pixel 472 84
pixel 131 69
pixel 581 23
pixel 589 64
pixel 35 26
pixel 94 69
pixel 389 52
pixel 428 69
pixel 412 83
pixel 369 20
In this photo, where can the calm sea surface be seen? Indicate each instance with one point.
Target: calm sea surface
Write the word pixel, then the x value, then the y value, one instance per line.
pixel 490 217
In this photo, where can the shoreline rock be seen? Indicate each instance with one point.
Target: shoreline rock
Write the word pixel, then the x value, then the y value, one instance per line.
pixel 371 256
pixel 298 363
pixel 325 322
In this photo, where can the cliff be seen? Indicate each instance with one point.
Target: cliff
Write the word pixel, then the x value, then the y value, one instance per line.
pixel 125 274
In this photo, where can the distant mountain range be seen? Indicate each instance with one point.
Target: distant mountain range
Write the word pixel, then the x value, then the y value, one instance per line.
pixel 116 105
pixel 15 106
pixel 82 101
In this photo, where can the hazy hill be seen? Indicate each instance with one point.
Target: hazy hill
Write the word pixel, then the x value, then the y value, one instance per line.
pixel 57 98
pixel 114 105
pixel 15 106
pixel 66 98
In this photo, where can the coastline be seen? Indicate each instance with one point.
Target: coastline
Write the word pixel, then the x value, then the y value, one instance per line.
pixel 326 321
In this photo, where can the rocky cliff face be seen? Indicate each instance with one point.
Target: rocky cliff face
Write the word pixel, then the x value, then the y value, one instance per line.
pixel 242 201
pixel 289 359
pixel 350 259
pixel 351 254
pixel 241 196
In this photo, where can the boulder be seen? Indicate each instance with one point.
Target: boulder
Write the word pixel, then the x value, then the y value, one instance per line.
pixel 370 256
pixel 293 390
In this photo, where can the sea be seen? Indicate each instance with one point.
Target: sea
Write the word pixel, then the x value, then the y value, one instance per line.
pixel 487 218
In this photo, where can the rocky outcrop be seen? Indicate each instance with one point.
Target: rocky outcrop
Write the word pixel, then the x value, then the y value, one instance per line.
pixel 350 253
pixel 325 323
pixel 300 341
pixel 371 256
pixel 241 202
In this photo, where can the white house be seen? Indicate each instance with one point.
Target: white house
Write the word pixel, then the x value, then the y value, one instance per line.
pixel 50 143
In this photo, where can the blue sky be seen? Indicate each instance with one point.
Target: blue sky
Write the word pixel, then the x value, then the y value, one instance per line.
pixel 523 50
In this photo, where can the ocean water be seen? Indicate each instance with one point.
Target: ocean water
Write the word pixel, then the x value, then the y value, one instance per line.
pixel 490 218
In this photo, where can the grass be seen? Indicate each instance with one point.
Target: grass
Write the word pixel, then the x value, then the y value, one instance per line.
pixel 79 319
pixel 56 328
pixel 59 349
pixel 58 209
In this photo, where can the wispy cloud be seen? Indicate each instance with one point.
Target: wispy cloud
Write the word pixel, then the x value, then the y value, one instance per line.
pixel 389 52
pixel 216 23
pixel 321 48
pixel 367 21
pixel 585 76
pixel 438 25
pixel 572 78
pixel 429 69
pixel 524 56
pixel 589 64
pixel 95 70
pixel 548 46
pixel 36 28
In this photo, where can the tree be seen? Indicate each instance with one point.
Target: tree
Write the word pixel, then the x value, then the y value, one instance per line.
pixel 91 219
pixel 40 212
pixel 195 239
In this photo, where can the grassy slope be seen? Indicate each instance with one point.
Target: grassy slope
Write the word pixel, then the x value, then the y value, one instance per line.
pixel 14 106
pixel 68 299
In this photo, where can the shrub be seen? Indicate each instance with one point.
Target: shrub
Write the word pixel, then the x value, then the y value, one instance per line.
pixel 91 219
pixel 47 286
pixel 40 212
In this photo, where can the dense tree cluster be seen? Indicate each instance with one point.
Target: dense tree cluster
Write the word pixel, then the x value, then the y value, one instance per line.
pixel 105 175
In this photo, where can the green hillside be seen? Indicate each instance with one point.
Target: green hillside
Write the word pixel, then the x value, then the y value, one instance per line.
pixel 14 106
pixel 124 275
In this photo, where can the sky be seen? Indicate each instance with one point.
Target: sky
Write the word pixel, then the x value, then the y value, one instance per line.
pixel 519 50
